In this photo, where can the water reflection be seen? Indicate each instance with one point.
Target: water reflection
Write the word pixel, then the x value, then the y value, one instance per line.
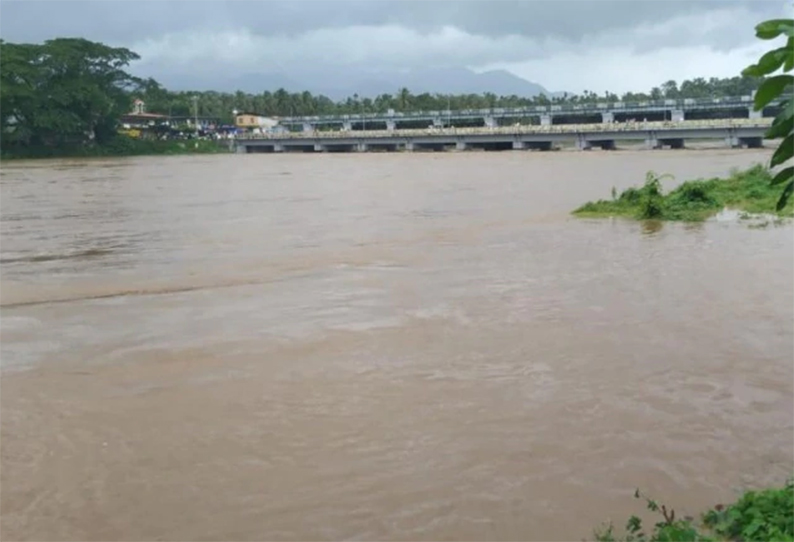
pixel 650 227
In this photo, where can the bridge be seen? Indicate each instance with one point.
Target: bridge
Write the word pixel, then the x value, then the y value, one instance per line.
pixel 672 134
pixel 653 110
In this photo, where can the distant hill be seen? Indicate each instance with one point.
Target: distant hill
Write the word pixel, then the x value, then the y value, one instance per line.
pixel 340 84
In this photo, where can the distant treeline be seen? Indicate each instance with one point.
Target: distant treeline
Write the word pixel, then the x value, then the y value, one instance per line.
pixel 283 103
pixel 71 92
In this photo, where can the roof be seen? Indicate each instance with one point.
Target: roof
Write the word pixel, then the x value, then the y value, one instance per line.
pixel 144 116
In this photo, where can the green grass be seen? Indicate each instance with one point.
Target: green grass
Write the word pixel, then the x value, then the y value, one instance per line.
pixel 762 516
pixel 119 146
pixel 750 191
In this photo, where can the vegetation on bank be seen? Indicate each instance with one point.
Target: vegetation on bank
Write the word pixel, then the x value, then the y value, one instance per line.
pixel 763 516
pixel 119 146
pixel 750 191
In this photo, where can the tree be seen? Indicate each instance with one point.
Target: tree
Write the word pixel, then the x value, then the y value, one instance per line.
pixel 64 91
pixel 773 88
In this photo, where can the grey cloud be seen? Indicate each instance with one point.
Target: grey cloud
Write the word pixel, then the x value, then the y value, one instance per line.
pixel 345 40
pixel 124 21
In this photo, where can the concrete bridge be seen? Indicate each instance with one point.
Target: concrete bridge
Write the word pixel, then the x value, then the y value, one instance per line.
pixel 734 132
pixel 652 111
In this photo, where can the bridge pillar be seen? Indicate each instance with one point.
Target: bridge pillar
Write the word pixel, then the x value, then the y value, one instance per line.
pixel 651 142
pixel 391 125
pixel 319 148
pixel 307 127
pixel 519 145
pixel 677 115
pixel 545 120
pixel 756 114
pixel 490 122
pixel 409 146
pixel 461 146
pixel 608 117
pixel 278 147
pixel 583 145
pixel 240 149
pixel 347 126
pixel 362 147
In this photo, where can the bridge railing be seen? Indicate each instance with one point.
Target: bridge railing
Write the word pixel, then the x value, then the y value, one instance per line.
pixel 534 110
pixel 518 130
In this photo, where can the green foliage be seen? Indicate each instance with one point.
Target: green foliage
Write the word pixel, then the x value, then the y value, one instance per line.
pixel 65 91
pixel 651 201
pixel 120 145
pixel 668 529
pixel 752 190
pixel 774 87
pixel 766 516
pixel 757 515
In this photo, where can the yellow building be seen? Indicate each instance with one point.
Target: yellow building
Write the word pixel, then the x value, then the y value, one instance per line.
pixel 252 120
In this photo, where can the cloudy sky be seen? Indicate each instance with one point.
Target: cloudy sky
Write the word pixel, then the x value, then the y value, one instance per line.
pixel 572 45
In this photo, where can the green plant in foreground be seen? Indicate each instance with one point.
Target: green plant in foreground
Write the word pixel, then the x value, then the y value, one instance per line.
pixel 758 516
pixel 772 88
pixel 668 529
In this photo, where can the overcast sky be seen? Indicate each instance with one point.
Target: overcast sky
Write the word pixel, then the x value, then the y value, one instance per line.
pixel 572 45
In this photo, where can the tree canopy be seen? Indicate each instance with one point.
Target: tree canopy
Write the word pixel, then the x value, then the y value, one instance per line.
pixel 63 91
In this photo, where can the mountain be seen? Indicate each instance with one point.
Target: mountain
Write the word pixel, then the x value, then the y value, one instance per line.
pixel 339 84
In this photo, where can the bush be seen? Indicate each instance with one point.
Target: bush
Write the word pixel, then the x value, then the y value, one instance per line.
pixel 758 515
pixel 766 516
pixel 693 201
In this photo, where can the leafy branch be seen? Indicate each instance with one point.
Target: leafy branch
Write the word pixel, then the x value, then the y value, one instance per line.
pixel 773 88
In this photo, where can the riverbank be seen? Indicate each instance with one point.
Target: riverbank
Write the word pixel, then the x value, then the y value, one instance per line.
pixel 749 191
pixel 121 146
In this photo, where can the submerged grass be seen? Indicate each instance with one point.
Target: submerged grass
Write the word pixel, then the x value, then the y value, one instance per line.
pixel 750 191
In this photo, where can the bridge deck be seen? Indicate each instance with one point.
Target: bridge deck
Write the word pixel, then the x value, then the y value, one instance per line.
pixel 617 130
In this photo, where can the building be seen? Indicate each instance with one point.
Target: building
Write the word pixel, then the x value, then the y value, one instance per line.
pixel 251 121
pixel 138 119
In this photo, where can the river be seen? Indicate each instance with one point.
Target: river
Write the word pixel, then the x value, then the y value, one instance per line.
pixel 380 346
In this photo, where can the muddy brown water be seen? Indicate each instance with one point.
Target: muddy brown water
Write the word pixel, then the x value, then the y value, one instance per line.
pixel 379 347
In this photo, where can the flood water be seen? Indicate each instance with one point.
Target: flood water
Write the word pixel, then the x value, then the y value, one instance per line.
pixel 401 346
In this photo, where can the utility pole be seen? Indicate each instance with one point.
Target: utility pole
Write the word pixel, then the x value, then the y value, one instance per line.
pixel 195 113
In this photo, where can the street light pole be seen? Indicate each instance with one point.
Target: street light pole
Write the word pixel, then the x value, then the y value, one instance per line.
pixel 195 113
